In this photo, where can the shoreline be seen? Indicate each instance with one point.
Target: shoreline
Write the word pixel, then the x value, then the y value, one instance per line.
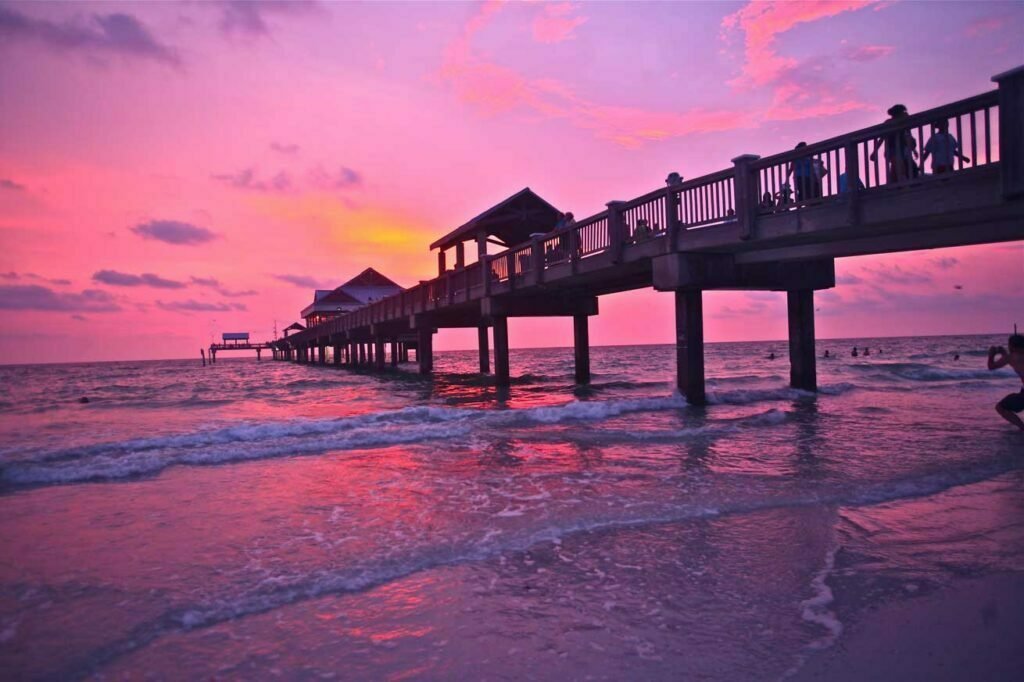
pixel 969 629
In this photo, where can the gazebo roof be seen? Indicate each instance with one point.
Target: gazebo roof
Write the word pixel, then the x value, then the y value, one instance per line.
pixel 294 326
pixel 510 221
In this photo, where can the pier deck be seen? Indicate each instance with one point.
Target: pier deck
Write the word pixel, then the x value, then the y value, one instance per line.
pixel 716 232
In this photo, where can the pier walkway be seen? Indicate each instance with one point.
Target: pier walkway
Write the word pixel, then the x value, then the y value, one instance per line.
pixel 739 229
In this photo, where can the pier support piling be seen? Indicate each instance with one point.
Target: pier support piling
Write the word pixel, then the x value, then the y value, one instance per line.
pixel 394 353
pixel 337 353
pixel 581 347
pixel 485 351
pixel 501 369
pixel 802 363
pixel 425 350
pixel 690 345
pixel 378 353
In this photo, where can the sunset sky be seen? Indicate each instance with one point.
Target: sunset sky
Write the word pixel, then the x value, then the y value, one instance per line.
pixel 169 171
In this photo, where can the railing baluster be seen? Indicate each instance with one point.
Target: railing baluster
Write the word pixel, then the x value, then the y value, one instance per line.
pixel 974 141
pixel 959 137
pixel 988 137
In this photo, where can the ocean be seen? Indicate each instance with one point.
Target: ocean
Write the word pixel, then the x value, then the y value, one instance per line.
pixel 252 520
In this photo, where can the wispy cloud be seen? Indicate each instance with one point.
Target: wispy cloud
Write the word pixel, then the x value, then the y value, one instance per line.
pixel 146 279
pixel 193 306
pixel 284 148
pixel 213 283
pixel 246 179
pixel 304 281
pixel 867 53
pixel 39 298
pixel 249 18
pixel 8 184
pixel 16 276
pixel 984 26
pixel 556 22
pixel 343 178
pixel 944 262
pixel 112 34
pixel 174 232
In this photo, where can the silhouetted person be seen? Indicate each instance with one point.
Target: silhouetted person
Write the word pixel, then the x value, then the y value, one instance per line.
pixel 854 353
pixel 956 356
pixel 998 357
pixel 844 183
pixel 771 356
pixel 807 173
pixel 767 201
pixel 826 353
pixel 943 148
pixel 867 351
pixel 898 147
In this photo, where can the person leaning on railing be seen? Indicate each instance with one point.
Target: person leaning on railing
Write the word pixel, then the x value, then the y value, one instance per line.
pixel 807 173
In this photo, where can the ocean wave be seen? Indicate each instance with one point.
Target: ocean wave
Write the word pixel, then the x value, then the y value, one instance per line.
pixel 916 371
pixel 746 396
pixel 148 456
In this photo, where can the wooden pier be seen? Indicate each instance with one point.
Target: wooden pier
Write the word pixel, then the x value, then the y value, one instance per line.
pixel 738 229
pixel 236 341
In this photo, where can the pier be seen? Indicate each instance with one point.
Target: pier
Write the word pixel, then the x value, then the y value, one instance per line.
pixel 238 341
pixel 740 228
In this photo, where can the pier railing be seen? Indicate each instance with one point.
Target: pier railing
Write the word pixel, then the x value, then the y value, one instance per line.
pixel 843 168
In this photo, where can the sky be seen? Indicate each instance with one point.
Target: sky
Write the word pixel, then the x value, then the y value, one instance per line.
pixel 169 171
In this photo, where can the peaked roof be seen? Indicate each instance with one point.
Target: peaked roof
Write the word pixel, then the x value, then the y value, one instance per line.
pixel 338 297
pixel 511 221
pixel 294 325
pixel 369 278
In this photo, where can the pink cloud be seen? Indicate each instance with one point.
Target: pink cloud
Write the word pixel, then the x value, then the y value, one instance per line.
pixel 496 89
pixel 555 23
pixel 983 26
pixel 762 22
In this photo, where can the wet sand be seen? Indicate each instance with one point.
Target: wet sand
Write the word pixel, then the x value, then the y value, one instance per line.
pixel 969 630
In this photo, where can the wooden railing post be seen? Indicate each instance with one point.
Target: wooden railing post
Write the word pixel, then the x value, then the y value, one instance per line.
pixel 574 249
pixel 537 259
pixel 672 223
pixel 616 231
pixel 485 273
pixel 852 189
pixel 1011 131
pixel 745 188
pixel 510 269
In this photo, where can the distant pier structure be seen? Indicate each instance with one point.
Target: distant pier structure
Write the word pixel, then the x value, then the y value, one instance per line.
pixel 236 341
pixel 763 224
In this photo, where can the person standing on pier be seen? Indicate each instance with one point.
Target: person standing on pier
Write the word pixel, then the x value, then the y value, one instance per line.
pixel 943 148
pixel 899 151
pixel 998 357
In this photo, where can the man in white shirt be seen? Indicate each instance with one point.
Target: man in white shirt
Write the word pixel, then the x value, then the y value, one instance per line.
pixel 943 149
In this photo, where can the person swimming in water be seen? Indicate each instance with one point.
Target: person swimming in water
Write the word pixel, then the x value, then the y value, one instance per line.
pixel 826 353
pixel 998 357
pixel 771 356
pixel 867 351
pixel 854 353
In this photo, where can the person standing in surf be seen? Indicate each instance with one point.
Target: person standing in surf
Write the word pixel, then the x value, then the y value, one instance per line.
pixel 998 357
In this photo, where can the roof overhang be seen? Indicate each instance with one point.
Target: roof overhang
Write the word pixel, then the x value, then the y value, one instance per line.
pixel 511 221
